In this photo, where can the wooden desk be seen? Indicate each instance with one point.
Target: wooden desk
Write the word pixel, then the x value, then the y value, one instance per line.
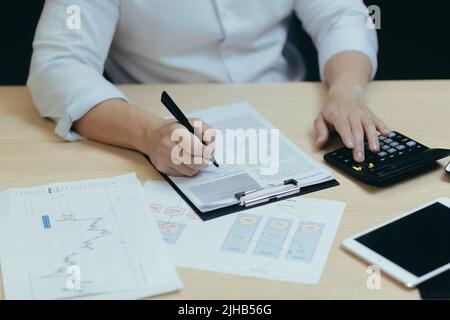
pixel 30 154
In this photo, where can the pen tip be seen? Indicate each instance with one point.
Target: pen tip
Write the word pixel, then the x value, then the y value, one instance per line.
pixel 215 164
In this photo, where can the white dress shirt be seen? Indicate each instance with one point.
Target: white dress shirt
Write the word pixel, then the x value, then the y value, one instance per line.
pixel 184 41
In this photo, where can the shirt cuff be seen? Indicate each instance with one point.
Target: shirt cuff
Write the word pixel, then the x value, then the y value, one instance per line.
pixel 83 106
pixel 348 39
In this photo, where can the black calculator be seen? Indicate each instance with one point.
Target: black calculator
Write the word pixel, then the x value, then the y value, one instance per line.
pixel 399 157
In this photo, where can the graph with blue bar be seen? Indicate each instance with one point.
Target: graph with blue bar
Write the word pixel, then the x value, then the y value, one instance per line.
pixel 46 222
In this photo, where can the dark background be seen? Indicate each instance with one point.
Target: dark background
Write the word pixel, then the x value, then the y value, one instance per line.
pixel 414 41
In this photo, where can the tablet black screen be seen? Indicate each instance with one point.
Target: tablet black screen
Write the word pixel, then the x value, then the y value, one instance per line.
pixel 419 242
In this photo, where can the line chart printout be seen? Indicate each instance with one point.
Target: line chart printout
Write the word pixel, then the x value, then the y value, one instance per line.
pixel 286 241
pixel 82 240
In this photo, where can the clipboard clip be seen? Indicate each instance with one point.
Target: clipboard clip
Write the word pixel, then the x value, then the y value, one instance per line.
pixel 287 188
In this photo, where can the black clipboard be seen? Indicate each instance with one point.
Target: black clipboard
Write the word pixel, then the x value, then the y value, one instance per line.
pixel 209 215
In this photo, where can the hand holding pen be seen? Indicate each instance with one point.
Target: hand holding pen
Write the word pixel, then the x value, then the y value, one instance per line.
pixel 179 152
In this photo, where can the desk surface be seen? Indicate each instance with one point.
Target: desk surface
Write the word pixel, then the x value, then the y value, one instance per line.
pixel 32 155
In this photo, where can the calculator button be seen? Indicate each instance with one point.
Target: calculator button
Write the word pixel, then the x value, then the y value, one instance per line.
pixel 392 135
pixel 357 168
pixel 386 147
pixel 392 150
pixel 400 147
pixel 381 138
pixel 371 165
pixel 411 143
pixel 382 154
pixel 394 144
pixel 389 140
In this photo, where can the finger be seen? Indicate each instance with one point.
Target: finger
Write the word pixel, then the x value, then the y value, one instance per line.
pixel 371 135
pixel 180 156
pixel 209 151
pixel 171 153
pixel 344 130
pixel 321 131
pixel 381 127
pixel 184 170
pixel 203 130
pixel 193 161
pixel 358 137
pixel 209 136
pixel 188 142
pixel 177 154
pixel 198 163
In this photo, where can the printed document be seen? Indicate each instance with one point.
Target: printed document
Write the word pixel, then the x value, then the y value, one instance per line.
pixel 91 239
pixel 286 241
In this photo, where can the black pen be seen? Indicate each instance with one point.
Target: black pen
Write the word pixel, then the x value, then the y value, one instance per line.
pixel 179 115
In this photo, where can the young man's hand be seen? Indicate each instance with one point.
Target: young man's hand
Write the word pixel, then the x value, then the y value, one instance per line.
pixel 177 152
pixel 347 113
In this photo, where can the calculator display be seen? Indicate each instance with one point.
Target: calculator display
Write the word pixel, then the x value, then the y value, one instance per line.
pixel 419 242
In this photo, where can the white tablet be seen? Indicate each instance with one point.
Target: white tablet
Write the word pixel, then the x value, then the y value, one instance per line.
pixel 411 248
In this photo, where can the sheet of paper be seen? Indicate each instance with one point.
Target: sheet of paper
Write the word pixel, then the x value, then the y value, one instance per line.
pixel 215 187
pixel 287 241
pixel 82 240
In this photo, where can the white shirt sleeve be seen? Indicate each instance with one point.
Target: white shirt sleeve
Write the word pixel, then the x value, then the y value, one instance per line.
pixel 65 77
pixel 336 26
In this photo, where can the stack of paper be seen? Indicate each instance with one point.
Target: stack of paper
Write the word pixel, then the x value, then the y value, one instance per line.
pixel 82 240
